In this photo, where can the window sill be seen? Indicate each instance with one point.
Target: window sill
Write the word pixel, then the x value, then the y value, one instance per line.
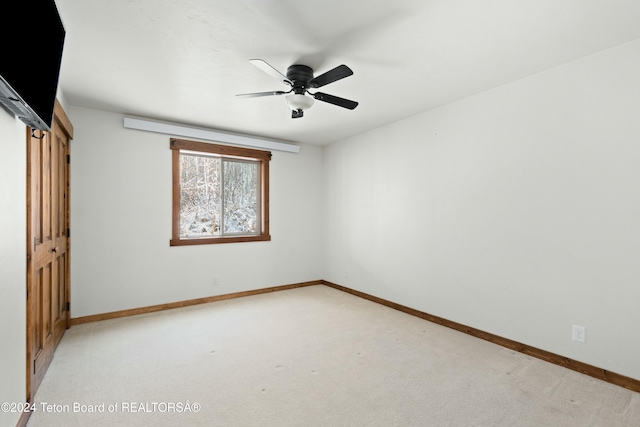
pixel 216 240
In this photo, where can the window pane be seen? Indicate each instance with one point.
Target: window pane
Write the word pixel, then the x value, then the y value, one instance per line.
pixel 200 201
pixel 241 197
pixel 220 193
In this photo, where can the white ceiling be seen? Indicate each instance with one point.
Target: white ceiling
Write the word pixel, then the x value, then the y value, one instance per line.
pixel 185 60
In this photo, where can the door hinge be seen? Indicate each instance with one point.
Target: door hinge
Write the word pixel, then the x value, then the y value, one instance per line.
pixel 68 306
pixel 68 232
pixel 68 158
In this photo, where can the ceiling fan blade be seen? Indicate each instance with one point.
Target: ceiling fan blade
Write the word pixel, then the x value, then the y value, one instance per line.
pixel 341 102
pixel 330 76
pixel 264 66
pixel 258 94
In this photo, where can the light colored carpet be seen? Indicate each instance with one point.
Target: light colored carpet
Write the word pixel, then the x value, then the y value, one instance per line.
pixel 311 356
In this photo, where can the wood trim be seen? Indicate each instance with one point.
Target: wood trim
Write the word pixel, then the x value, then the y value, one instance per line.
pixel 261 156
pixel 175 193
pixel 223 150
pixel 212 240
pixel 565 362
pixel 584 368
pixel 264 198
pixel 24 418
pixel 171 305
pixel 63 119
pixel 68 221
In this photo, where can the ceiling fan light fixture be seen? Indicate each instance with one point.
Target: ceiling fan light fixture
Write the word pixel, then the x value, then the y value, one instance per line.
pixel 299 102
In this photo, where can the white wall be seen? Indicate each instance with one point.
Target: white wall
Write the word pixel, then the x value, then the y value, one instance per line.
pixel 515 211
pixel 121 224
pixel 13 267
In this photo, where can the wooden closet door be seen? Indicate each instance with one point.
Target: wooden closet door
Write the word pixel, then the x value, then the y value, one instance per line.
pixel 48 246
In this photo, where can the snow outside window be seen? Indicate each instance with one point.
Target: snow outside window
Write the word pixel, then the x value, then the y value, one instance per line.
pixel 219 193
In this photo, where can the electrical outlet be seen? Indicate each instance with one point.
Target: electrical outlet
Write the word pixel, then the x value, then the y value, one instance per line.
pixel 579 333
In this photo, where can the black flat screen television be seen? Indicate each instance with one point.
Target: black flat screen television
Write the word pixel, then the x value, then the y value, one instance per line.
pixel 32 39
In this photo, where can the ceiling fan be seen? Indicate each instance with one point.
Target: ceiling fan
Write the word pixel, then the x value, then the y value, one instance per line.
pixel 300 78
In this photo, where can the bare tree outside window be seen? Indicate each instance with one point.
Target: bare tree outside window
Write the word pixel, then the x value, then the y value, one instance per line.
pixel 200 193
pixel 221 191
pixel 241 197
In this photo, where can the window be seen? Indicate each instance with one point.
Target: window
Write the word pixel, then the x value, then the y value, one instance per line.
pixel 220 193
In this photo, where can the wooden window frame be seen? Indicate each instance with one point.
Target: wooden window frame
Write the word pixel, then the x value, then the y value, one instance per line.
pixel 263 157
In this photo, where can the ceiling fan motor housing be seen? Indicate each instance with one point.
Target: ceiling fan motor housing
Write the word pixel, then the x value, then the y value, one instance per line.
pixel 300 76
